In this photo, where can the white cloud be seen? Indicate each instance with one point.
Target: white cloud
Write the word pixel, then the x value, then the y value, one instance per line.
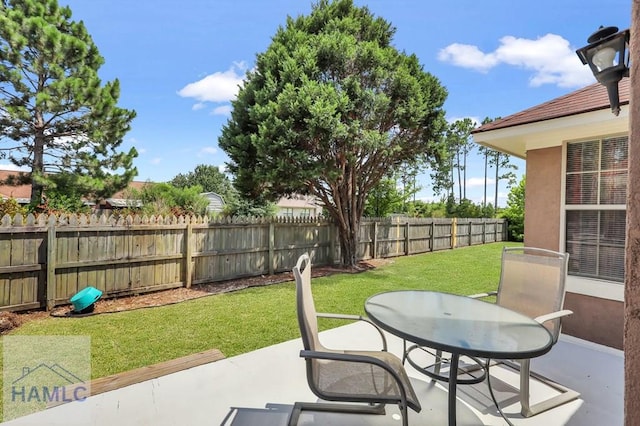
pixel 467 56
pixel 198 106
pixel 479 182
pixel 155 160
pixel 141 150
pixel 222 110
pixel 221 86
pixel 208 150
pixel 222 168
pixel 550 57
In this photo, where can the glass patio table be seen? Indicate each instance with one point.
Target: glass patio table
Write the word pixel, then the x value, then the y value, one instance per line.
pixel 459 325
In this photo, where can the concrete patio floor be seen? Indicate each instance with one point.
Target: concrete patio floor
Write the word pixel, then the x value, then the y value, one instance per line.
pixel 260 387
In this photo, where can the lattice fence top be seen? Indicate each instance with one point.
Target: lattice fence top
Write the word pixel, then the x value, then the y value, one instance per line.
pixel 42 220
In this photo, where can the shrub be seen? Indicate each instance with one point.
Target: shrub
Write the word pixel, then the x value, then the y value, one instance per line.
pixel 11 207
pixel 514 213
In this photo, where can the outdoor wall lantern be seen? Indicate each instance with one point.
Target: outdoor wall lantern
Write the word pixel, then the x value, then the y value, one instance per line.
pixel 607 55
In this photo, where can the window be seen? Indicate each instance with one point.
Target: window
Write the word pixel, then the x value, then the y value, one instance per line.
pixel 595 197
pixel 306 213
pixel 286 212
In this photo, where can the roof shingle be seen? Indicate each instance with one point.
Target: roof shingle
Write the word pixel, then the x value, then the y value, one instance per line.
pixel 590 98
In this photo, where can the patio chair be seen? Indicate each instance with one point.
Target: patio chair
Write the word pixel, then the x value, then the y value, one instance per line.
pixel 371 378
pixel 532 282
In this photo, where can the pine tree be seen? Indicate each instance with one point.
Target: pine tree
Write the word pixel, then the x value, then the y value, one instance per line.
pixel 56 117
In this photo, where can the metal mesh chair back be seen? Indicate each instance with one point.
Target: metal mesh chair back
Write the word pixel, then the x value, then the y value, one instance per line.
pixel 532 282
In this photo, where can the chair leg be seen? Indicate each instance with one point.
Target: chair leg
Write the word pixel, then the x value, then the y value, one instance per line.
pixel 405 414
pixel 299 407
pixel 438 365
pixel 525 380
pixel 528 410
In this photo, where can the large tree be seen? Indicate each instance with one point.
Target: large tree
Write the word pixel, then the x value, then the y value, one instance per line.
pixel 211 179
pixel 486 153
pixel 329 110
pixel 503 171
pixel 458 137
pixel 56 117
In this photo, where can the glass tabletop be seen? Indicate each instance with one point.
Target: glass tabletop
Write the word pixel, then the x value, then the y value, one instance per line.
pixel 458 324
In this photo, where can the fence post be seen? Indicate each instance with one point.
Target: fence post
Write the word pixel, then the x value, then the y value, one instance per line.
pixel 470 232
pixel 407 241
pixel 187 256
pixel 484 231
pixel 51 267
pixel 272 243
pixel 454 232
pixel 375 240
pixel 433 234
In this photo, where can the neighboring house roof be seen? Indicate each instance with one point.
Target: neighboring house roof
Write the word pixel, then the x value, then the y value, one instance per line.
pixel 123 203
pixel 120 199
pixel 132 185
pixel 299 202
pixel 584 113
pixel 216 203
pixel 22 193
pixel 590 98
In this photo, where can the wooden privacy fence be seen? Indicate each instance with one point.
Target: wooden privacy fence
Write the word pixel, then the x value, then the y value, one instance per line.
pixel 45 260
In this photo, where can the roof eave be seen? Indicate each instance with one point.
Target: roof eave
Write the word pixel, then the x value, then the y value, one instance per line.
pixel 517 140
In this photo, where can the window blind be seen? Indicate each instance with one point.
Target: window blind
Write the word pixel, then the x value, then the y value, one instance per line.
pixel 595 197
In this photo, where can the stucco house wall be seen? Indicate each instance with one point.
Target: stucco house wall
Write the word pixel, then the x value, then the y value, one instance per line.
pixel 541 135
pixel 594 319
pixel 542 198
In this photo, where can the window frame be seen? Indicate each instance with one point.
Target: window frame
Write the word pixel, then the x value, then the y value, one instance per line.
pixel 602 288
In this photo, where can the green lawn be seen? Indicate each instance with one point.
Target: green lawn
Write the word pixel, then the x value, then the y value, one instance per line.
pixel 246 320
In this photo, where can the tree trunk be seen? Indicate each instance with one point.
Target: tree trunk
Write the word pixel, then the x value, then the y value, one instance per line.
pixel 346 207
pixel 495 199
pixel 37 165
pixel 464 176
pixel 452 185
pixel 349 246
pixel 484 199
pixel 459 181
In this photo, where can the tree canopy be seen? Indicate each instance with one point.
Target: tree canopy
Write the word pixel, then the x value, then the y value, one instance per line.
pixel 514 212
pixel 211 179
pixel 329 110
pixel 56 117
pixel 458 136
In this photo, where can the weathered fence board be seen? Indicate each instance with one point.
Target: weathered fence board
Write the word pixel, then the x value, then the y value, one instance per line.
pixel 44 261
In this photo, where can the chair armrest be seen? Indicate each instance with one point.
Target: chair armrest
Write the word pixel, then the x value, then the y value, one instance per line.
pixel 355 318
pixel 553 315
pixel 479 295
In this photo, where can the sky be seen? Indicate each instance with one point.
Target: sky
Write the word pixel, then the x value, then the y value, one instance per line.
pixel 180 63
